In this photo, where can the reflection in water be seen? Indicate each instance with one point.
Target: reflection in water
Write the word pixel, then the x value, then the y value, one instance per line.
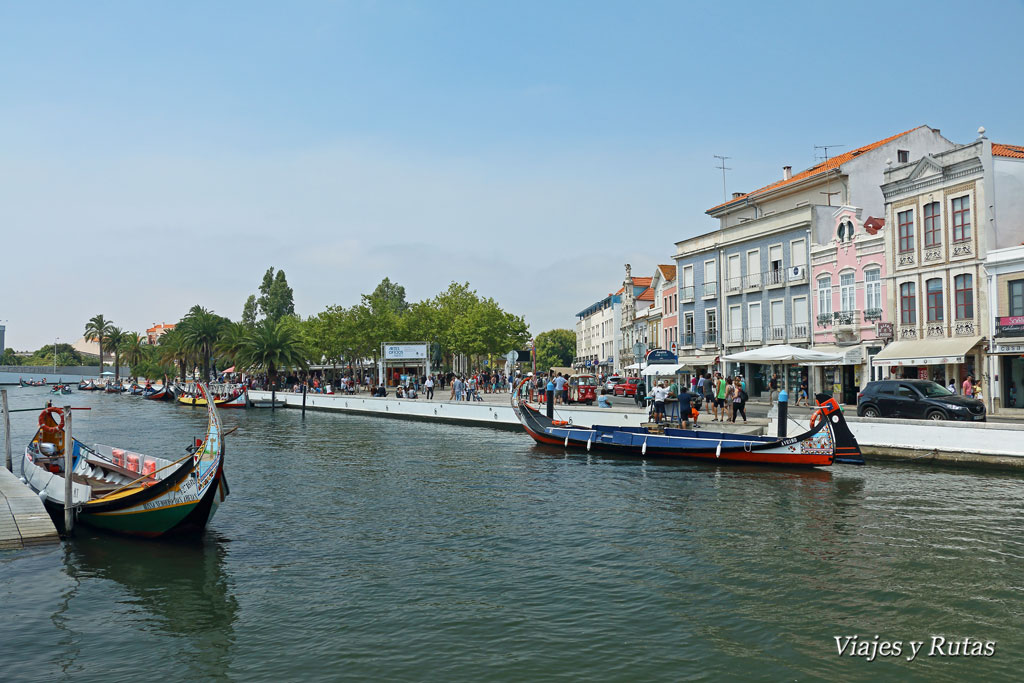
pixel 178 589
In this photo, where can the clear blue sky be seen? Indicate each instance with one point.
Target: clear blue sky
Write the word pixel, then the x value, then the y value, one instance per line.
pixel 158 155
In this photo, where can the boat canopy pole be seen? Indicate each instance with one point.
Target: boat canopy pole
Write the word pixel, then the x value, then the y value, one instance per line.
pixel 69 505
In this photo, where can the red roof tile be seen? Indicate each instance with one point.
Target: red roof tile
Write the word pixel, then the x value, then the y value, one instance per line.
pixel 823 167
pixel 1011 151
pixel 667 272
pixel 642 281
pixel 646 295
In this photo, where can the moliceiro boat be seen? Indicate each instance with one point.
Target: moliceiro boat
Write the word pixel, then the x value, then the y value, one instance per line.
pixel 235 397
pixel 827 442
pixel 125 492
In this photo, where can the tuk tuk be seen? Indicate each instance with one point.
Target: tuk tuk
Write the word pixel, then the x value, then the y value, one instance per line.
pixel 583 389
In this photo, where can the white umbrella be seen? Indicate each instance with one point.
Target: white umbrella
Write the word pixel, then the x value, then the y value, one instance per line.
pixel 108 372
pixel 783 354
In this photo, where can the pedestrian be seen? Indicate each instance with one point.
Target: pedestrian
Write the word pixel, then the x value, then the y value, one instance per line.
pixel 968 386
pixel 709 393
pixel 773 387
pixel 459 387
pixel 660 394
pixel 739 400
pixel 429 385
pixel 952 386
pixel 722 390
pixel 686 405
pixel 559 385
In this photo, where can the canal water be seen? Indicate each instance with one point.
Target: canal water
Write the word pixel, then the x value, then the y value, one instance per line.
pixel 364 548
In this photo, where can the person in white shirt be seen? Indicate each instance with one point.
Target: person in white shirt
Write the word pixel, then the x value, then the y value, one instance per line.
pixel 429 386
pixel 660 394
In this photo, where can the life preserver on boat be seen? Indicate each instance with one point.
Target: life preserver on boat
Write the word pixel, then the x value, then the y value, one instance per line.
pixel 559 423
pixel 42 420
pixel 816 416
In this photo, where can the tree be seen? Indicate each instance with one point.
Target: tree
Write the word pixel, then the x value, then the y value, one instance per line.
pixel 555 348
pixel 276 299
pixel 272 345
pixel 134 349
pixel 200 330
pixel 9 357
pixel 115 338
pixel 98 328
pixel 249 311
pixel 173 349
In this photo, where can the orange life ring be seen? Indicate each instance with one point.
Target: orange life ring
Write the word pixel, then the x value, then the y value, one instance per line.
pixel 42 420
pixel 815 416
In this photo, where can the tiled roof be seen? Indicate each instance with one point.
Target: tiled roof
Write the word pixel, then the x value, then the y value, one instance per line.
pixel 642 281
pixel 833 163
pixel 1011 151
pixel 646 295
pixel 667 272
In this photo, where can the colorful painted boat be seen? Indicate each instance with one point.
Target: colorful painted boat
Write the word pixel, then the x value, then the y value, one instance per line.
pixel 161 394
pixel 829 441
pixel 126 492
pixel 87 385
pixel 238 399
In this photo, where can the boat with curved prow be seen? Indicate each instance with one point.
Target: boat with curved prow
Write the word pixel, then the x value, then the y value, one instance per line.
pixel 827 442
pixel 161 394
pixel 237 398
pixel 126 492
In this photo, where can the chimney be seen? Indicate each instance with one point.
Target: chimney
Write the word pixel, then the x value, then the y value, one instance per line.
pixel 787 172
pixel 736 195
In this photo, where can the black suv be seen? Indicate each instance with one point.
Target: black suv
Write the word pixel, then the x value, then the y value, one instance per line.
pixel 917 398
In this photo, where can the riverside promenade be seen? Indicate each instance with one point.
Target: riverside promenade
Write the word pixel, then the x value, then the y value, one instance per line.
pixel 23 519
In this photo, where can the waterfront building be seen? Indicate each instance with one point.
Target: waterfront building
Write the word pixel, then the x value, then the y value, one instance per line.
pixel 636 296
pixel 1005 268
pixel 849 297
pixel 669 298
pixel 697 266
pixel 946 212
pixel 762 247
pixel 154 333
pixel 599 335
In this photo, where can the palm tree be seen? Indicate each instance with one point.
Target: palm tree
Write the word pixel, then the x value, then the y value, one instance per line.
pixel 172 350
pixel 272 345
pixel 232 340
pixel 98 328
pixel 200 330
pixel 134 350
pixel 115 339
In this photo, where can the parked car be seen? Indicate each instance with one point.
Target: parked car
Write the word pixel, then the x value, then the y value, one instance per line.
pixel 610 383
pixel 627 388
pixel 917 398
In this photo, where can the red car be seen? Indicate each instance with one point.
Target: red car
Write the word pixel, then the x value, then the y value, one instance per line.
pixel 627 388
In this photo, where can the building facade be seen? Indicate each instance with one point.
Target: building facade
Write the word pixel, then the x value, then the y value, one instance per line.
pixel 635 298
pixel 849 297
pixel 599 335
pixel 1005 268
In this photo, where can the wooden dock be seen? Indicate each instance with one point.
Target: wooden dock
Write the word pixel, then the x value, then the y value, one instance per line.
pixel 23 519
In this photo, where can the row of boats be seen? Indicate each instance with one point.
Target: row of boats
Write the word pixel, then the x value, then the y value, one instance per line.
pixel 224 395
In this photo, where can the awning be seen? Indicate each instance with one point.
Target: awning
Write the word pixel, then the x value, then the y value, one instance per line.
pixel 851 355
pixel 662 369
pixel 691 361
pixel 782 353
pixel 634 366
pixel 926 351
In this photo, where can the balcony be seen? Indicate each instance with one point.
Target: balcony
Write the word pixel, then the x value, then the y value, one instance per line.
pixel 711 338
pixel 686 294
pixel 734 337
pixel 824 320
pixel 872 314
pixel 844 317
pixel 752 281
pixel 734 285
pixel 753 335
pixel 709 289
pixel 775 333
pixel 773 278
pixel 687 339
pixel 799 331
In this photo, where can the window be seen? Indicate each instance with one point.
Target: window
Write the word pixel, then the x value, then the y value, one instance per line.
pixel 777 313
pixel 711 325
pixel 754 268
pixel 733 272
pixel 735 324
pixel 903 156
pixel 906 230
pixel 961 219
pixel 799 316
pixel 933 289
pixel 797 253
pixel 908 304
pixel 846 292
pixel 932 225
pixel 963 287
pixel 873 289
pixel 1016 288
pixel 775 264
pixel 754 322
pixel 825 295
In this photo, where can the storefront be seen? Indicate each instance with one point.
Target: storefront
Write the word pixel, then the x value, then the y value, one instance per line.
pixel 1008 361
pixel 403 363
pixel 940 360
pixel 843 379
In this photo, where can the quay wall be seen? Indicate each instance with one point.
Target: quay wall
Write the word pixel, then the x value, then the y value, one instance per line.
pixel 985 445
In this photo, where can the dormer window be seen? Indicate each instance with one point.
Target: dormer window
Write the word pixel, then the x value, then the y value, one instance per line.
pixel 903 156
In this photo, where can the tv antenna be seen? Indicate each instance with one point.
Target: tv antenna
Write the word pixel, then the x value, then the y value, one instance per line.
pixel 724 168
pixel 828 178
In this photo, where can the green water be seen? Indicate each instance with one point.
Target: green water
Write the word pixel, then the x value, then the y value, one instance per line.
pixel 360 548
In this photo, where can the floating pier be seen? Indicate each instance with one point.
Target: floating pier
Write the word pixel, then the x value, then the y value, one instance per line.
pixel 23 519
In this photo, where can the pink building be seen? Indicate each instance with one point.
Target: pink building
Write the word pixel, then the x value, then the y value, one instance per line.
pixel 669 309
pixel 851 315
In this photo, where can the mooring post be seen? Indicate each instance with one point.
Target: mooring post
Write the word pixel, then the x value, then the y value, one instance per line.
pixel 783 413
pixel 69 447
pixel 550 398
pixel 8 462
pixel 303 400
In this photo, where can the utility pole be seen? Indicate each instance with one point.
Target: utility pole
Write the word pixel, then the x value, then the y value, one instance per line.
pixel 828 179
pixel 55 340
pixel 724 168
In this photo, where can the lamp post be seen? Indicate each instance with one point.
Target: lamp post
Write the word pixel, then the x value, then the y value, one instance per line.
pixel 55 340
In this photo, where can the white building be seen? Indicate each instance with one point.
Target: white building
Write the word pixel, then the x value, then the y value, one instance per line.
pixel 599 336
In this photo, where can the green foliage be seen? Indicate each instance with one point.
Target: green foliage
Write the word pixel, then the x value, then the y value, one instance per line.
pixel 272 345
pixel 249 311
pixel 115 340
pixel 98 328
pixel 9 358
pixel 200 331
pixel 66 355
pixel 555 348
pixel 276 299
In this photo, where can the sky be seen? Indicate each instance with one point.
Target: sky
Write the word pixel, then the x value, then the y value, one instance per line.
pixel 158 155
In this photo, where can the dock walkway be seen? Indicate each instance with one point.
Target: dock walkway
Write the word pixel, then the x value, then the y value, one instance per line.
pixel 23 519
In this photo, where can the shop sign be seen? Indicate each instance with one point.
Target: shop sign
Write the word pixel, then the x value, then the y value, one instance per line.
pixel 661 356
pixel 405 351
pixel 883 330
pixel 1008 348
pixel 1010 326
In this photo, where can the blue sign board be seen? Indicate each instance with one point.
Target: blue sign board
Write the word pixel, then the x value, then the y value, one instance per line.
pixel 658 356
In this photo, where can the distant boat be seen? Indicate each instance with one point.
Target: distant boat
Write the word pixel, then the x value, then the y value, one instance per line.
pixel 161 394
pixel 113 388
pixel 87 385
pixel 236 399
pixel 126 492
pixel 829 441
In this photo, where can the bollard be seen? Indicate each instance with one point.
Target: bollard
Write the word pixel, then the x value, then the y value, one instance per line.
pixel 783 417
pixel 303 401
pixel 551 401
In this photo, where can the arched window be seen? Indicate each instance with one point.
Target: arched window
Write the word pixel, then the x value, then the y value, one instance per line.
pixel 934 289
pixel 873 289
